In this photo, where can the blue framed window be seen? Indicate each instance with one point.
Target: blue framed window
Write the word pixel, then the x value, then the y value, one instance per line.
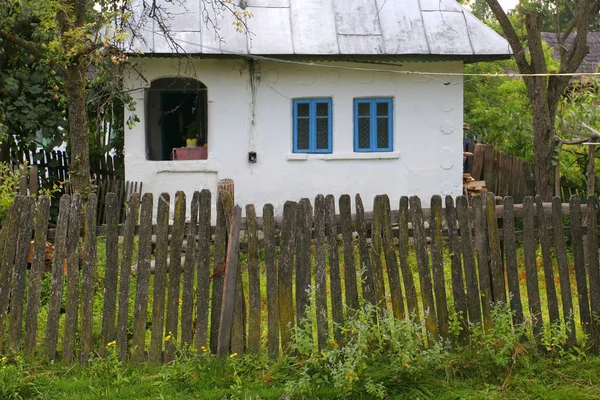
pixel 312 125
pixel 373 125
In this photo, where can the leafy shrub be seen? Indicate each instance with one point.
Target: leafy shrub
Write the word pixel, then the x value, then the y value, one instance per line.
pixel 381 354
pixel 9 188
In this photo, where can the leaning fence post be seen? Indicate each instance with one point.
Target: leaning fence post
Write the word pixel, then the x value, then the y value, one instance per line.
pixel 230 283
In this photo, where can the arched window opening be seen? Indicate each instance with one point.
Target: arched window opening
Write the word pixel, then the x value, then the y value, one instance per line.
pixel 176 109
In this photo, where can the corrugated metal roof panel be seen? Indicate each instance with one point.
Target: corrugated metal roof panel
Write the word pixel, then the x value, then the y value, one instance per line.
pixel 326 27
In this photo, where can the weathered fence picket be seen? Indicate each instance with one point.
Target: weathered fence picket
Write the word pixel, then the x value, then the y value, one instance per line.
pixel 203 271
pixel 437 264
pixel 52 321
pixel 157 333
pixel 579 261
pixel 174 289
pixel 594 273
pixel 72 256
pixel 365 266
pixel 35 275
pixel 335 280
pixel 20 269
pixel 88 274
pixel 125 274
pixel 423 266
pixel 547 262
pixel 510 255
pixel 254 311
pixel 320 274
pixel 350 284
pixel 391 261
pixel 466 242
pixel 483 268
pixel 142 281
pixel 529 249
pixel 272 282
pixel 284 274
pixel 563 270
pixel 304 221
pixel 412 302
pixel 458 287
pixel 111 273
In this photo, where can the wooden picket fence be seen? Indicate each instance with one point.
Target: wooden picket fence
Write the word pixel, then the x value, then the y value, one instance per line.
pixel 53 166
pixel 200 299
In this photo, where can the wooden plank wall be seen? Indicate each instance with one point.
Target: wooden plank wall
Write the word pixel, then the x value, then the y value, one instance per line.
pixel 316 249
pixel 504 175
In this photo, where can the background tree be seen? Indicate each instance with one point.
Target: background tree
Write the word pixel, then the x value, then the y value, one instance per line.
pixel 84 42
pixel 545 92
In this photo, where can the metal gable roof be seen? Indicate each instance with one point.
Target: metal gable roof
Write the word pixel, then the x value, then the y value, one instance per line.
pixel 325 28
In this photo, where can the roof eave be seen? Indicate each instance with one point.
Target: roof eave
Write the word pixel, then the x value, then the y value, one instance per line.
pixel 466 58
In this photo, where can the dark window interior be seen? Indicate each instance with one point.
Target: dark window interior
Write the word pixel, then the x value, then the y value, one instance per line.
pixel 172 106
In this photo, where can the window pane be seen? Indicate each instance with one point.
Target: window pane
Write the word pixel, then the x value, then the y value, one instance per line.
pixel 383 141
pixel 322 133
pixel 364 109
pixel 382 109
pixel 303 109
pixel 303 129
pixel 364 133
pixel 322 109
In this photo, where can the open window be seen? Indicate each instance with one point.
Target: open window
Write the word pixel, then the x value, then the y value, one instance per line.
pixel 176 109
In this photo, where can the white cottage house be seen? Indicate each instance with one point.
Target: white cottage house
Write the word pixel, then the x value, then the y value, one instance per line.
pixel 317 96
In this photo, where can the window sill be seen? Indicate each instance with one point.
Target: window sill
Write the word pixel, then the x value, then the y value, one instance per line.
pixel 388 155
pixel 187 166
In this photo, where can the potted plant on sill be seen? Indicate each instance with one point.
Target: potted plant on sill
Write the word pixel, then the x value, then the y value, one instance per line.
pixel 192 132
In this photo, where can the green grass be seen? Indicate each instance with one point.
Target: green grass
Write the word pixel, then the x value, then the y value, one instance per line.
pixel 258 378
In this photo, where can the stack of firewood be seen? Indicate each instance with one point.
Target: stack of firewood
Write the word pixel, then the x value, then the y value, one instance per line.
pixel 471 187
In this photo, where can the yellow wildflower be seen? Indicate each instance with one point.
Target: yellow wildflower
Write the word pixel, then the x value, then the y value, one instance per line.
pixel 204 349
pixel 3 359
pixel 111 343
pixel 234 355
pixel 167 338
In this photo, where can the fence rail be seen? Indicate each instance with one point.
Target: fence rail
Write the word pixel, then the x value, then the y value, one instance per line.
pixel 198 296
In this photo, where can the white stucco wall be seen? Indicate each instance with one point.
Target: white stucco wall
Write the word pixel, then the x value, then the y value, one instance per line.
pixel 427 156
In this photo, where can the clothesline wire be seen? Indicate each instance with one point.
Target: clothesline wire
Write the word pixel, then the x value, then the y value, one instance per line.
pixel 430 75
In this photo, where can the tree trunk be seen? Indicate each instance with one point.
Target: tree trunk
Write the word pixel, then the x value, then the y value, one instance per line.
pixel 543 137
pixel 79 163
